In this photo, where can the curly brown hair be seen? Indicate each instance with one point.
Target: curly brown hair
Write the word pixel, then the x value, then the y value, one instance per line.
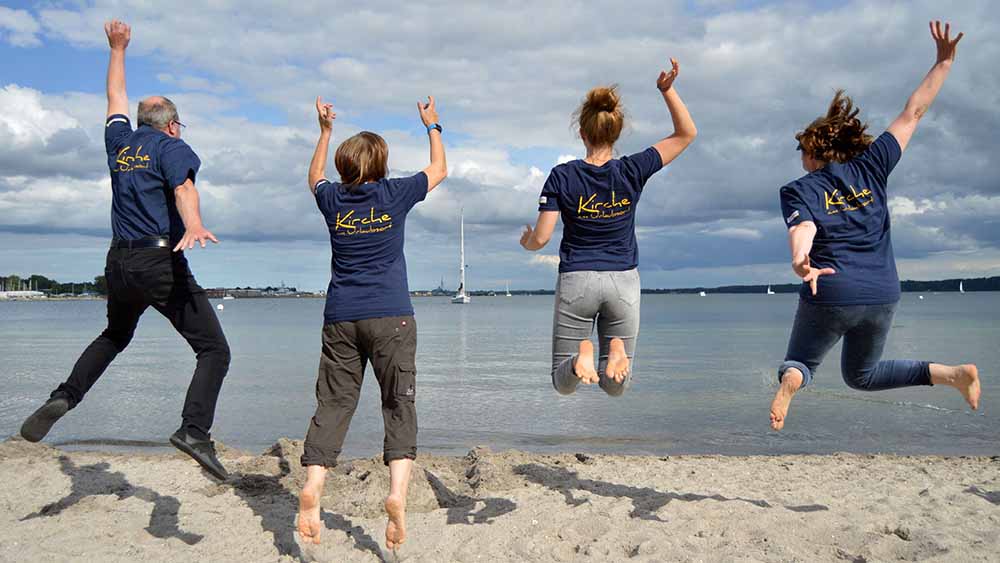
pixel 837 137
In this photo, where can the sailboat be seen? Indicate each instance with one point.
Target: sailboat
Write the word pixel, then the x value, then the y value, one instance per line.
pixel 770 291
pixel 461 298
pixel 961 289
pixel 508 289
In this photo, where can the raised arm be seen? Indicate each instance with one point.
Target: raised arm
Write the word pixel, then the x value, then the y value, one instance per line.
pixel 188 206
pixel 119 34
pixel 684 128
pixel 537 239
pixel 920 101
pixel 317 168
pixel 437 170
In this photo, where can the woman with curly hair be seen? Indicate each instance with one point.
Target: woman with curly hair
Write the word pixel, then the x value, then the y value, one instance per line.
pixel 838 229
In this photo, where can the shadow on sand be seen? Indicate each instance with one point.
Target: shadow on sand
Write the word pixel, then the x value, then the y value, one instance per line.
pixel 992 497
pixel 277 507
pixel 94 480
pixel 645 501
pixel 461 507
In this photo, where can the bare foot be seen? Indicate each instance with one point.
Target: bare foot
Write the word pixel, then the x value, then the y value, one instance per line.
pixel 618 363
pixel 309 523
pixel 790 383
pixel 584 366
pixel 395 530
pixel 967 384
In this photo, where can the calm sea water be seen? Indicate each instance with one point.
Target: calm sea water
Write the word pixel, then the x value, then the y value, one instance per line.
pixel 704 378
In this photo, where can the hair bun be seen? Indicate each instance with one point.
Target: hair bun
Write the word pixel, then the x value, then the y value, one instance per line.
pixel 604 98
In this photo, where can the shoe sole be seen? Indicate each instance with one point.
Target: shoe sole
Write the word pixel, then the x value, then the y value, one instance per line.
pixel 37 425
pixel 193 454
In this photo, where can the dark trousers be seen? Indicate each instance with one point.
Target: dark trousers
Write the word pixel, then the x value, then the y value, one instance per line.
pixel 864 329
pixel 390 344
pixel 160 278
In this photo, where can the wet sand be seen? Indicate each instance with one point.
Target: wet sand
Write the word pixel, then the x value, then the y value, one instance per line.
pixel 503 506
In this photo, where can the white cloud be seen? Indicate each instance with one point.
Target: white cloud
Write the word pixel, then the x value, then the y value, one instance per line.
pixel 19 28
pixel 550 260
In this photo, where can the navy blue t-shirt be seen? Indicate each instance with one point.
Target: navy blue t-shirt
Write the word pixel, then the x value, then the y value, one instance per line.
pixel 597 205
pixel 366 224
pixel 848 204
pixel 146 166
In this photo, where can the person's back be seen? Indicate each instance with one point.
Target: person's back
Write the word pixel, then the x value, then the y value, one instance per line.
pixel 367 231
pixel 597 205
pixel 847 201
pixel 146 165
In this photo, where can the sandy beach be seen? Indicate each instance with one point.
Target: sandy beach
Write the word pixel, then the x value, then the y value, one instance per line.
pixel 503 506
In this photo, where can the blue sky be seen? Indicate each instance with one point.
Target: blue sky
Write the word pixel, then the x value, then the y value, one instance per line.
pixel 244 76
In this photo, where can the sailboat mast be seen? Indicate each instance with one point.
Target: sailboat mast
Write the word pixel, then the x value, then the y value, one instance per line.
pixel 461 246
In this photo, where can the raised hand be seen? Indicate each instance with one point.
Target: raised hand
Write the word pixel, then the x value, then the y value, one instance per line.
pixel 428 112
pixel 946 47
pixel 809 274
pixel 119 33
pixel 666 79
pixel 325 114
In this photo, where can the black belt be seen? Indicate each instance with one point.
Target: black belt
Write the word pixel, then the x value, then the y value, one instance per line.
pixel 148 242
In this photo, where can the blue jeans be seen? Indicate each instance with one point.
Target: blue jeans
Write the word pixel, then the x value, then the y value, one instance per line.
pixel 864 329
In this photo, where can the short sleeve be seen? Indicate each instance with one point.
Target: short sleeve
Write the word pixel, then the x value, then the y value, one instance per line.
pixel 640 166
pixel 116 133
pixel 793 209
pixel 412 189
pixel 881 156
pixel 320 191
pixel 549 198
pixel 178 162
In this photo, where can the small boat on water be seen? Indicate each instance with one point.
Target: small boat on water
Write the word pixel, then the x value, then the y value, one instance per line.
pixel 508 289
pixel 770 291
pixel 701 294
pixel 961 288
pixel 227 297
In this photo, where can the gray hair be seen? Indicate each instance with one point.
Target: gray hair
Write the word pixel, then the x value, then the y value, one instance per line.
pixel 157 112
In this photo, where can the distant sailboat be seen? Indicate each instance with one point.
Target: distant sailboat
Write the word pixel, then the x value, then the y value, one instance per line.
pixel 961 288
pixel 461 298
pixel 701 293
pixel 508 289
pixel 770 291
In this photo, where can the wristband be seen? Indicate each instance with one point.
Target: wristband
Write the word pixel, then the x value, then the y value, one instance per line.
pixel 434 126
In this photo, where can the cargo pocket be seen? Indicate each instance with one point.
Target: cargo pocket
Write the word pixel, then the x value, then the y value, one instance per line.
pixel 572 286
pixel 406 382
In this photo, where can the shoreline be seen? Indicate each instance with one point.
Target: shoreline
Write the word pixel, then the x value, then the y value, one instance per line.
pixel 504 506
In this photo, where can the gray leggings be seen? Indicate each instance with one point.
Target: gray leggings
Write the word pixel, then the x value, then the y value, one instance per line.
pixel 611 299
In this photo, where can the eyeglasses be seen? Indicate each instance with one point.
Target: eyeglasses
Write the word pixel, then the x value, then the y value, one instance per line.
pixel 179 123
pixel 798 148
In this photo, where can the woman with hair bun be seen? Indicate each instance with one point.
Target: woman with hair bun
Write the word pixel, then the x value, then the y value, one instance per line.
pixel 838 230
pixel 596 198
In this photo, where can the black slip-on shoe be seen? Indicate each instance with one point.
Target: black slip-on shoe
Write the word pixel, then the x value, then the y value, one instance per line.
pixel 37 425
pixel 202 451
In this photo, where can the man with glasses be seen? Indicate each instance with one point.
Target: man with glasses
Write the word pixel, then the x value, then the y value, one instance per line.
pixel 154 217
